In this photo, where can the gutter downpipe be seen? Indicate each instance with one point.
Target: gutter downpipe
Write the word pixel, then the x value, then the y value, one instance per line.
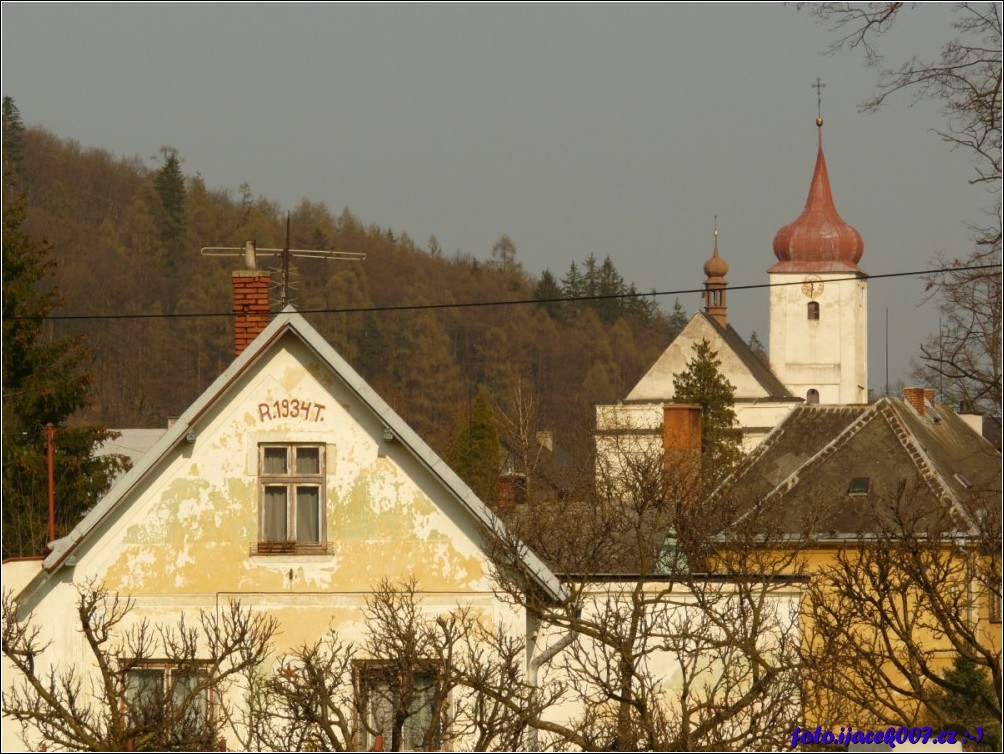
pixel 537 661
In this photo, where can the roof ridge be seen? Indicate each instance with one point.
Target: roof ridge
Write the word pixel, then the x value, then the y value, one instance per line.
pixel 827 450
pixel 922 460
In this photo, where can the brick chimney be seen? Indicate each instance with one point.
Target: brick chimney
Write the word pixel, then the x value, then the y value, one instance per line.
pixel 251 307
pixel 511 490
pixel 915 397
pixel 681 447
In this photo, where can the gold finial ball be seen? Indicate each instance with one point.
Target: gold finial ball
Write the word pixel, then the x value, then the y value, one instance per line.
pixel 819 121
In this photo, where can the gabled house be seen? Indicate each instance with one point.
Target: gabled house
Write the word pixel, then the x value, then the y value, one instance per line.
pixel 894 508
pixel 829 465
pixel 288 485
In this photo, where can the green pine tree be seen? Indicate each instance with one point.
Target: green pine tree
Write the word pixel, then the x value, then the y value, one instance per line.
pixel 475 452
pixel 677 320
pixel 702 383
pixel 43 382
pixel 970 701
pixel 548 288
pixel 758 348
pixel 170 184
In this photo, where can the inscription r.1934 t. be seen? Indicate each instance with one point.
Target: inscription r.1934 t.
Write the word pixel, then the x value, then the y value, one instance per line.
pixel 291 408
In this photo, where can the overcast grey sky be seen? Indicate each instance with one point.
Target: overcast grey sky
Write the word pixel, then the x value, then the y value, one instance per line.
pixel 616 130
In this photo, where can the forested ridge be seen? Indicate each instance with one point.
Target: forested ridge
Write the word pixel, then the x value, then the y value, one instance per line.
pixel 126 239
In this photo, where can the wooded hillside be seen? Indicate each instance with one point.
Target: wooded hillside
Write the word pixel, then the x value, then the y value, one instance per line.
pixel 127 237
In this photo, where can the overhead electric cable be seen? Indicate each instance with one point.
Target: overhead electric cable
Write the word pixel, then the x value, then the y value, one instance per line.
pixel 511 302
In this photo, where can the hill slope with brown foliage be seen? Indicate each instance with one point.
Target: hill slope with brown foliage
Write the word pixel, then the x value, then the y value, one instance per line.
pixel 127 240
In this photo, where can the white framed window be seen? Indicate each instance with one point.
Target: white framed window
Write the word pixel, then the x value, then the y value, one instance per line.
pixel 397 712
pixel 291 511
pixel 162 694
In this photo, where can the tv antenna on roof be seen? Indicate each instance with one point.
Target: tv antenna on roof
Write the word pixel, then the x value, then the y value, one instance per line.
pixel 251 252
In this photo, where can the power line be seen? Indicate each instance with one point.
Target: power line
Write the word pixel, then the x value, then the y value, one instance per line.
pixel 510 302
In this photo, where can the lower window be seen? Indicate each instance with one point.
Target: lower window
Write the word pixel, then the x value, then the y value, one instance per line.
pixel 398 714
pixel 173 701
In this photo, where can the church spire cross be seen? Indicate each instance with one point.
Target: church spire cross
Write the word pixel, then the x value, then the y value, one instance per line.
pixel 818 86
pixel 819 240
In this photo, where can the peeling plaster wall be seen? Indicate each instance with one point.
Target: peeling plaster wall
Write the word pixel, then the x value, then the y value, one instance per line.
pixel 385 516
pixel 182 541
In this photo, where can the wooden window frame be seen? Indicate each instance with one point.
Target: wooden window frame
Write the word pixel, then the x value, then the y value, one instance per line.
pixel 167 669
pixel 292 481
pixel 367 674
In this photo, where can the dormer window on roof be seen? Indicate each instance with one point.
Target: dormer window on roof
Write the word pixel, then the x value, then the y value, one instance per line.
pixel 860 485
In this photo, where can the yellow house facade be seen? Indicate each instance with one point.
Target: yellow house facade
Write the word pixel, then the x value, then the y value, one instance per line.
pixel 288 486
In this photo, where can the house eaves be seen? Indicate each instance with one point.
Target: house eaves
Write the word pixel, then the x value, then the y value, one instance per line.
pixel 288 321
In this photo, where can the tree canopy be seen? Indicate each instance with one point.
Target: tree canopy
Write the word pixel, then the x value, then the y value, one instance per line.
pixel 703 384
pixel 44 381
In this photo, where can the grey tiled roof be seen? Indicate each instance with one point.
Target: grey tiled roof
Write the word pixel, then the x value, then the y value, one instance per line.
pixel 935 462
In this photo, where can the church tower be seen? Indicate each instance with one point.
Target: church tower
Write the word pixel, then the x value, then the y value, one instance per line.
pixel 819 301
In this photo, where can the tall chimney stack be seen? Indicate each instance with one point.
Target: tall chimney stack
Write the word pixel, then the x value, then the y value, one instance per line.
pixel 915 397
pixel 681 446
pixel 251 306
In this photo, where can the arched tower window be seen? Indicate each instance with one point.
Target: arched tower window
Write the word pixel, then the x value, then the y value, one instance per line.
pixel 812 397
pixel 813 310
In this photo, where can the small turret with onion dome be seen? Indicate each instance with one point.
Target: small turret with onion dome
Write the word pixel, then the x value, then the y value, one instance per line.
pixel 715 284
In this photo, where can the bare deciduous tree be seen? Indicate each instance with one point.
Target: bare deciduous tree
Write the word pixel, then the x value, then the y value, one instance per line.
pixel 677 632
pixel 965 357
pixel 889 614
pixel 152 687
pixel 417 679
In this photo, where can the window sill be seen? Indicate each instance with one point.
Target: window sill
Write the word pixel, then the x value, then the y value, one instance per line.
pixel 270 549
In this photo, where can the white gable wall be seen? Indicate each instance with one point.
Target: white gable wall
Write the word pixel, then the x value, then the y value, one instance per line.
pixel 202 505
pixel 657 384
pixel 182 537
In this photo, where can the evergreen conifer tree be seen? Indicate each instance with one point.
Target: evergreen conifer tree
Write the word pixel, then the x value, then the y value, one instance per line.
pixel 548 288
pixel 968 702
pixel 677 320
pixel 170 184
pixel 702 383
pixel 43 382
pixel 475 452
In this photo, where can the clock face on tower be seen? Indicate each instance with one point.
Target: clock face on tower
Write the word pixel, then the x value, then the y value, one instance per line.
pixel 812 286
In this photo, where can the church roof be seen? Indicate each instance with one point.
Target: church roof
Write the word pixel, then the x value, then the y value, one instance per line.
pixel 757 367
pixel 756 381
pixel 819 240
